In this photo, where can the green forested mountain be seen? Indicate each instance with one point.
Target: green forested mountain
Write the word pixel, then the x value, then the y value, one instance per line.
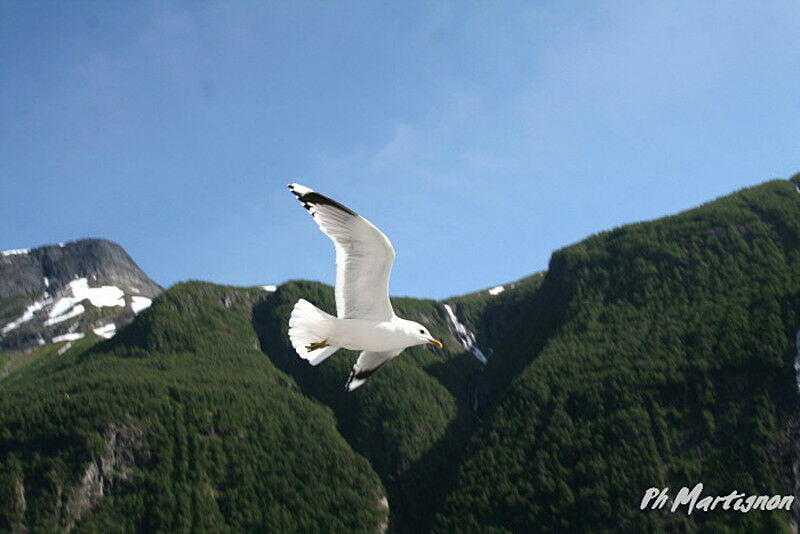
pixel 656 354
pixel 177 424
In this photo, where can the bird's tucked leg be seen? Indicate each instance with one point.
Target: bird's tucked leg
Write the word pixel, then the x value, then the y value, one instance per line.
pixel 318 345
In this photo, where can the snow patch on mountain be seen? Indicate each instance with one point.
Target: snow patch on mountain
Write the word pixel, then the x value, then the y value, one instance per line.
pixel 27 315
pixel 73 336
pixel 107 331
pixel 140 303
pixel 14 252
pixel 69 306
pixel 98 296
pixel 269 289
pixel 496 290
pixel 73 312
pixel 464 336
pixel 61 307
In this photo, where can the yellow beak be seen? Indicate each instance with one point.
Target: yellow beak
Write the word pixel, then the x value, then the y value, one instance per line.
pixel 435 342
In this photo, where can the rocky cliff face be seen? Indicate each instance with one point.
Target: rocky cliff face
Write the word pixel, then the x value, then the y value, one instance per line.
pixel 63 292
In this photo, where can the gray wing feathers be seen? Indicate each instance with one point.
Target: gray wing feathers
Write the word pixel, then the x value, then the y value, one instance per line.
pixel 366 365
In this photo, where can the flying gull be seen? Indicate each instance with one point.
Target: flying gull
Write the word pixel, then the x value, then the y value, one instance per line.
pixel 365 319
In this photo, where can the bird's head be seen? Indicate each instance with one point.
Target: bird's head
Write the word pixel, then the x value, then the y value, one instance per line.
pixel 420 334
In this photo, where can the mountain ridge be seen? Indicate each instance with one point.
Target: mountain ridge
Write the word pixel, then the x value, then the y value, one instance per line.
pixel 654 354
pixel 68 289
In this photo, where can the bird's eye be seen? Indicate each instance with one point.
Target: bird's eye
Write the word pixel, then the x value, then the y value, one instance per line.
pixel 422 331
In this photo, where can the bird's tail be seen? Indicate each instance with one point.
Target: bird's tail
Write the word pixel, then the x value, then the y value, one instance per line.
pixel 309 330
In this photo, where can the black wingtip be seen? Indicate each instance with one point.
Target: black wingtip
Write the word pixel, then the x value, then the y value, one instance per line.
pixel 309 198
pixel 294 191
pixel 349 379
pixel 313 197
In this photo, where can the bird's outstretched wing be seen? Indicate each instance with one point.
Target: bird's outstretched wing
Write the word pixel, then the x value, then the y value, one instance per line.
pixel 364 257
pixel 368 363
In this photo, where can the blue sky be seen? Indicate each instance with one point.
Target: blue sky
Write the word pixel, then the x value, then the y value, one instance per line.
pixel 480 136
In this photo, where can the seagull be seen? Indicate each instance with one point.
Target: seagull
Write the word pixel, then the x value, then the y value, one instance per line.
pixel 365 319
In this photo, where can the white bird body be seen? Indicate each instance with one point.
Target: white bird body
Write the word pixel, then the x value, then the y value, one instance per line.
pixel 366 320
pixel 363 334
